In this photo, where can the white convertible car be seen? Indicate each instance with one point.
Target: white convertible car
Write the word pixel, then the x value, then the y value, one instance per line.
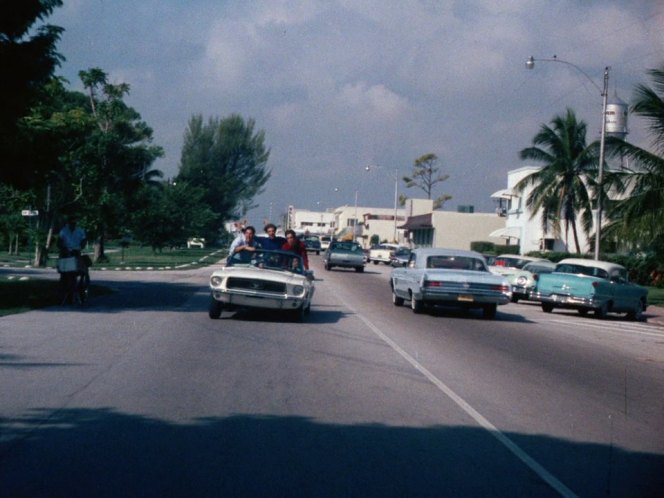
pixel 262 279
pixel 449 277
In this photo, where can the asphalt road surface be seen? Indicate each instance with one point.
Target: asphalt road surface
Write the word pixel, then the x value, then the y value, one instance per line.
pixel 140 394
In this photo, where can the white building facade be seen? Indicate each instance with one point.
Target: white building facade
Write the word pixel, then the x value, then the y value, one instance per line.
pixel 521 227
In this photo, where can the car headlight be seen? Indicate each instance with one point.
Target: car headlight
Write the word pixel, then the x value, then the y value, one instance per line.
pixel 522 281
pixel 298 290
pixel 215 281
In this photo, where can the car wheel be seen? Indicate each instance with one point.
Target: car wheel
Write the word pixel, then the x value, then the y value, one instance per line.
pixel 583 311
pixel 416 305
pixel 637 314
pixel 215 308
pixel 515 299
pixel 601 312
pixel 396 300
pixel 317 253
pixel 490 311
pixel 376 262
pixel 328 267
pixel 547 307
pixel 359 269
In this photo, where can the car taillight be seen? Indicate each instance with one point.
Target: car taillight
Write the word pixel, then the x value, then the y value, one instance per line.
pixel 432 283
pixel 595 284
pixel 535 276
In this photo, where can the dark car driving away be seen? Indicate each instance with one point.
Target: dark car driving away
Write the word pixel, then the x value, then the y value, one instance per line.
pixel 311 242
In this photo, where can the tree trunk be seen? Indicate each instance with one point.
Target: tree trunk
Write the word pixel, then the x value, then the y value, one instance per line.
pixel 99 254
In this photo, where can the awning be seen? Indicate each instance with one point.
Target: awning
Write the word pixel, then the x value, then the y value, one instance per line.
pixel 507 233
pixel 417 222
pixel 505 193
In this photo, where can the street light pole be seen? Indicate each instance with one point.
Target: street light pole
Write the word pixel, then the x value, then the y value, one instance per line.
pixel 530 64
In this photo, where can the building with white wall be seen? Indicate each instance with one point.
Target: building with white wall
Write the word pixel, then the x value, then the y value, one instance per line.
pixel 521 227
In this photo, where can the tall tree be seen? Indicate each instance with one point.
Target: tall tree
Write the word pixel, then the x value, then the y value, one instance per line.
pixel 638 217
pixel 561 188
pixel 228 160
pixel 115 161
pixel 425 176
pixel 28 58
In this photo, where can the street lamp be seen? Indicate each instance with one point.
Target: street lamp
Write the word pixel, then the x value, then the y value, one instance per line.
pixel 396 192
pixel 530 64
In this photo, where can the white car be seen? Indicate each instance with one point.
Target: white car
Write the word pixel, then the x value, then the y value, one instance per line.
pixel 262 279
pixel 196 242
pixel 448 277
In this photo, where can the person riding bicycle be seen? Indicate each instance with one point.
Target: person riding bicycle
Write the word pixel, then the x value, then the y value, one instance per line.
pixel 71 240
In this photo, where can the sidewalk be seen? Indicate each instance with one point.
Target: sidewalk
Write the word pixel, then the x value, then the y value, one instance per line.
pixel 655 315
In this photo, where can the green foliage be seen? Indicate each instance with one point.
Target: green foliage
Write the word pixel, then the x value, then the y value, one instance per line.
pixel 28 59
pixel 375 240
pixel 637 218
pixel 486 247
pixel 227 159
pixel 560 192
pixel 425 176
pixel 167 215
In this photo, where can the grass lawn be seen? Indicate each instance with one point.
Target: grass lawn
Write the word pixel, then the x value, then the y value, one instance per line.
pixel 656 296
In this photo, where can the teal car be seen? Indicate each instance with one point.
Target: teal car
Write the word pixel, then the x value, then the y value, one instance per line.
pixel 589 285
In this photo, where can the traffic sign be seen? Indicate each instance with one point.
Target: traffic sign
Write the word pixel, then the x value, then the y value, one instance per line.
pixel 29 212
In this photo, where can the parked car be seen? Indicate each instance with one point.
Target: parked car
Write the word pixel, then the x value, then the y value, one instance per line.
pixel 382 253
pixel 590 285
pixel 312 243
pixel 325 242
pixel 262 279
pixel 523 281
pixel 344 254
pixel 196 242
pixel 400 257
pixel 448 277
pixel 505 263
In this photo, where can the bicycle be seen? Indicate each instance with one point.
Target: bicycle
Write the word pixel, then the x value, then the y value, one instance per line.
pixel 74 279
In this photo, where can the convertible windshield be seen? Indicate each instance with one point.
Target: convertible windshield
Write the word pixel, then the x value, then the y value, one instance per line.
pixel 271 260
pixel 455 263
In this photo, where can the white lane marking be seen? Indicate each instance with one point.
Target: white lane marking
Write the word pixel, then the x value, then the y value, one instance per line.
pixel 544 474
pixel 611 327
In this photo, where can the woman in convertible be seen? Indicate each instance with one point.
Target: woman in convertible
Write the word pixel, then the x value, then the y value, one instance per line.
pixel 297 246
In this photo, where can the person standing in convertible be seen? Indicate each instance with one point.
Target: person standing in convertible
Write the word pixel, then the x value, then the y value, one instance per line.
pixel 293 244
pixel 271 242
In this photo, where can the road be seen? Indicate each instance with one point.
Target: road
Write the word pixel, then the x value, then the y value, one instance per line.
pixel 141 394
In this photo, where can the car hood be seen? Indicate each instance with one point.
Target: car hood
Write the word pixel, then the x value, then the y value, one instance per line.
pixel 261 274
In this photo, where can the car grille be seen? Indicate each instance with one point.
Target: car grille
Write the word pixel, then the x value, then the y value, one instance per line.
pixel 256 285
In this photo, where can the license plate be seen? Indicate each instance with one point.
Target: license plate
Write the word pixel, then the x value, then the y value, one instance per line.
pixel 465 298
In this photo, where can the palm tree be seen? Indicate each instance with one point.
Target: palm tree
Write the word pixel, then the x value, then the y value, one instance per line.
pixel 561 187
pixel 639 216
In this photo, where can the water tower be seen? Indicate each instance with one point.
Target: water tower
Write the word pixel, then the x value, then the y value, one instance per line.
pixel 616 118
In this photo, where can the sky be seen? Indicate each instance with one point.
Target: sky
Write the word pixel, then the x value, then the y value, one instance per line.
pixel 341 85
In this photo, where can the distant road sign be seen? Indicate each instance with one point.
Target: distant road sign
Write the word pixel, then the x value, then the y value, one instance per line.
pixel 28 212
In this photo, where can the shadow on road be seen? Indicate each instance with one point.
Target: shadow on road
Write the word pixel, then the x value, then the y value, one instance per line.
pixel 100 452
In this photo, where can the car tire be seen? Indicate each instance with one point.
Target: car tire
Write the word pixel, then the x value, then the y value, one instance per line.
pixel 359 269
pixel 489 311
pixel 583 311
pixel 416 305
pixel 328 267
pixel 215 308
pixel 637 314
pixel 376 262
pixel 317 253
pixel 600 313
pixel 547 307
pixel 515 299
pixel 396 300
